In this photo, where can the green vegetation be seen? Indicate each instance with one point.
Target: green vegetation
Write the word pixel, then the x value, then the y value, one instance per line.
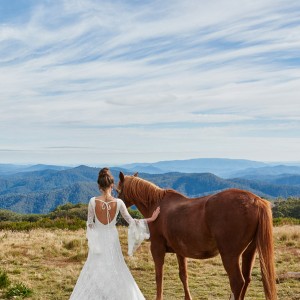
pixel 285 221
pixel 287 208
pixel 70 210
pixel 73 216
pixel 4 280
pixel 19 289
pixel 286 212
pixel 16 291
pixel 68 216
pixel 61 223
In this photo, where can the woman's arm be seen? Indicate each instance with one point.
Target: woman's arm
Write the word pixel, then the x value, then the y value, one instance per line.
pixel 125 214
pixel 138 229
pixel 91 214
pixel 154 215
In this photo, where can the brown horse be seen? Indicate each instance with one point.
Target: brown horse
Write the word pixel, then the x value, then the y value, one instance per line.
pixel 234 223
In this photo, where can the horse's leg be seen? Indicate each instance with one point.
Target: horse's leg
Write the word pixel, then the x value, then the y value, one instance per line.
pixel 158 253
pixel 183 276
pixel 247 265
pixel 236 279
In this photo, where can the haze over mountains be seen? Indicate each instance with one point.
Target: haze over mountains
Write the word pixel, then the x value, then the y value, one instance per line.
pixel 41 188
pixel 7 169
pixel 218 166
pixel 226 168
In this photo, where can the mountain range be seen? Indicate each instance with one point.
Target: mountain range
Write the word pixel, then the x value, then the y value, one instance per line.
pixel 8 169
pixel 225 168
pixel 41 188
pixel 218 166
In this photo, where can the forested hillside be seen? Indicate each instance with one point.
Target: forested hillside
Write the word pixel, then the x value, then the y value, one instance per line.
pixel 42 191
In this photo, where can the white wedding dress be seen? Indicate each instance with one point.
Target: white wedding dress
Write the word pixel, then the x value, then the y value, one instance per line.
pixel 105 275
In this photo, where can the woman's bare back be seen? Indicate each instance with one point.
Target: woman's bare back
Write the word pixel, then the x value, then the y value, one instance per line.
pixel 105 207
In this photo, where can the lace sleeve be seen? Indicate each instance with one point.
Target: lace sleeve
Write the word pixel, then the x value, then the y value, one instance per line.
pixel 91 215
pixel 137 232
pixel 91 233
pixel 125 214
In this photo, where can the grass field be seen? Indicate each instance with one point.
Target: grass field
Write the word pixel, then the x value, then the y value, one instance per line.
pixel 49 261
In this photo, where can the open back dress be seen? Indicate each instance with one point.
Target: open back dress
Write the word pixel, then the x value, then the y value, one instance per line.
pixel 105 275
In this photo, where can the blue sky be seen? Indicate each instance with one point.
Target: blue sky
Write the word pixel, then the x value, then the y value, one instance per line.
pixel 111 82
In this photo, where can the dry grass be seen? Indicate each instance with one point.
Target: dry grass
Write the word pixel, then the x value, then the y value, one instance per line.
pixel 49 263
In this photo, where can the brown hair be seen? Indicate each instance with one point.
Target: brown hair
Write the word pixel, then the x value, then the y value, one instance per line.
pixel 105 179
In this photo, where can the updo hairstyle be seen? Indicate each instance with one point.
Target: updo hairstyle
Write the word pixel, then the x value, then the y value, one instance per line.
pixel 105 179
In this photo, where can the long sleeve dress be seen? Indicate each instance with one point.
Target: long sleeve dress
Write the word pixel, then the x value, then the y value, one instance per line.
pixel 105 275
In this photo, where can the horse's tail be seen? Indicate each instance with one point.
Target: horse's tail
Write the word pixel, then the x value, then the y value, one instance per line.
pixel 265 247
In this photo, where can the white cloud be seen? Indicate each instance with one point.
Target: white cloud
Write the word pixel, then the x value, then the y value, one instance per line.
pixel 78 70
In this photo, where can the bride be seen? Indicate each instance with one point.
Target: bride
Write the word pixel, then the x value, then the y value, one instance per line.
pixel 105 275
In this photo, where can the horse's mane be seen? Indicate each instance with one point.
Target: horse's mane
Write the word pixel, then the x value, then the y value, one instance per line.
pixel 145 191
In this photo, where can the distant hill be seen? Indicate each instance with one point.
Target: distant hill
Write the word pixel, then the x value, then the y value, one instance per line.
pixel 286 179
pixel 281 179
pixel 219 166
pixel 252 173
pixel 269 189
pixel 46 201
pixel 8 169
pixel 192 185
pixel 42 191
pixel 225 168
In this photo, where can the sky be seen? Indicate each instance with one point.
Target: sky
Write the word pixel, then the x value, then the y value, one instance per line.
pixel 113 82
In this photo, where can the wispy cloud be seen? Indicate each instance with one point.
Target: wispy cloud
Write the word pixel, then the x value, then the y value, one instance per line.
pixel 126 76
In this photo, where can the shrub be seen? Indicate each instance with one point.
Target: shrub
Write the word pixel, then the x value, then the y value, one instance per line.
pixel 285 221
pixel 17 226
pixel 72 244
pixel 4 280
pixel 31 218
pixel 289 208
pixel 68 216
pixel 18 289
pixel 7 215
pixel 62 223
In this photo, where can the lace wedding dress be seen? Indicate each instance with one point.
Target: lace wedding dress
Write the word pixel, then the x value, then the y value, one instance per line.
pixel 105 275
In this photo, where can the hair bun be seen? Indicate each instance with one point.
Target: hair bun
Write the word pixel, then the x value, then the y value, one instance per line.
pixel 105 179
pixel 104 171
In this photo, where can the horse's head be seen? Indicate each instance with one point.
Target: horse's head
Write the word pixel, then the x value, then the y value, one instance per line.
pixel 121 189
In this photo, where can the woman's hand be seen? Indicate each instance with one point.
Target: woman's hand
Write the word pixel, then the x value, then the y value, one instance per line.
pixel 154 215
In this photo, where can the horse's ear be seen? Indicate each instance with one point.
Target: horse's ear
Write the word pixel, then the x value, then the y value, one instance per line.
pixel 121 177
pixel 136 174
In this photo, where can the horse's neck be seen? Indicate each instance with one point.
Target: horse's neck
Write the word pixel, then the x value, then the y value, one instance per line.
pixel 146 205
pixel 145 211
